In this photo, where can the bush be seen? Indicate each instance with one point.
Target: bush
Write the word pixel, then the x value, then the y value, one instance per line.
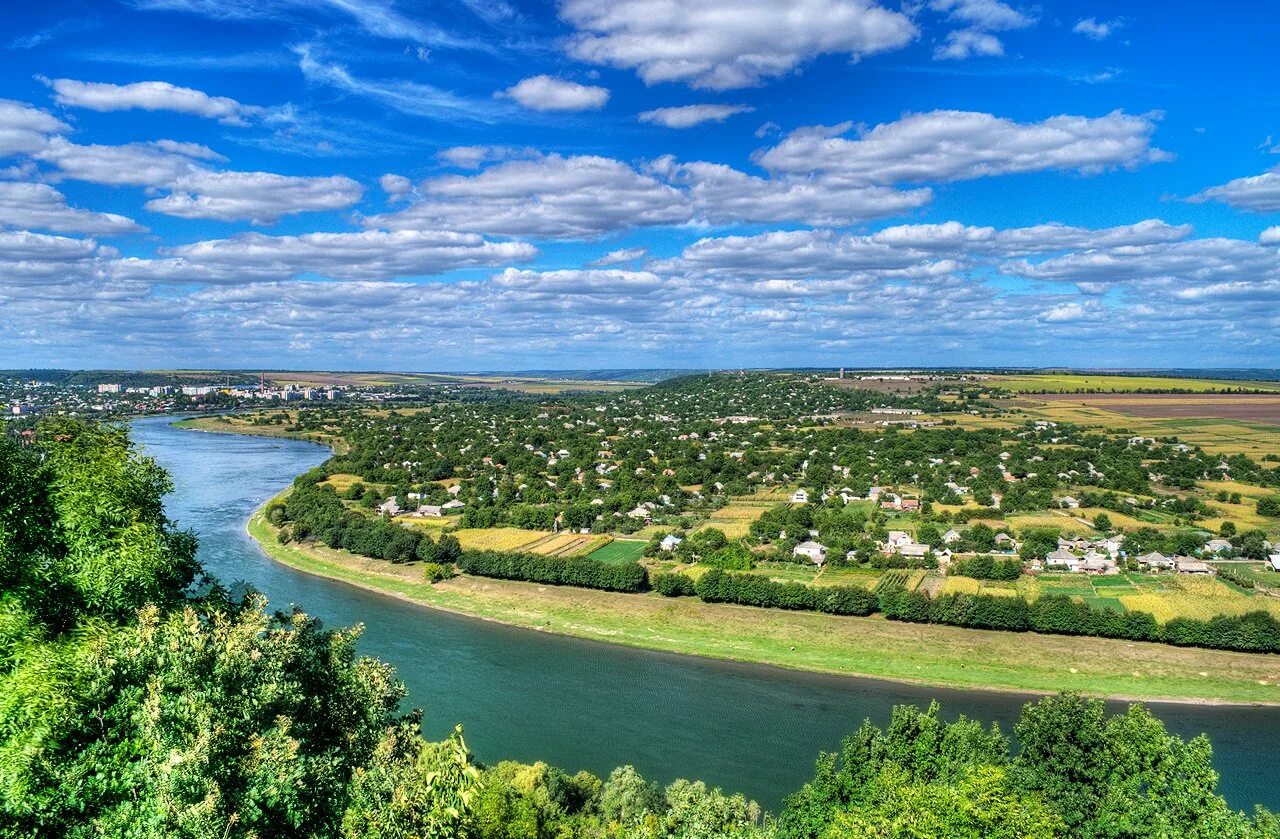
pixel 435 572
pixel 718 586
pixel 562 571
pixel 674 585
pixel 988 568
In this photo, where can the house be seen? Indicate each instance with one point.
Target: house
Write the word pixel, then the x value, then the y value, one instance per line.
pixel 1218 546
pixel 669 542
pixel 909 504
pixel 800 496
pixel 640 512
pixel 1274 562
pixel 1155 560
pixel 1006 542
pixel 1096 563
pixel 389 507
pixel 896 539
pixel 951 536
pixel 1187 565
pixel 915 551
pixel 816 553
pixel 1063 559
pixel 430 511
pixel 1069 502
pixel 455 504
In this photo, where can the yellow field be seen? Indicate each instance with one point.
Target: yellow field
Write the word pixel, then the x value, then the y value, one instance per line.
pixel 1075 383
pixel 497 538
pixel 961 585
pixel 735 518
pixel 528 541
pixel 342 482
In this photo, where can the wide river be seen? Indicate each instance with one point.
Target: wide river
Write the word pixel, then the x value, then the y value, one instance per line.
pixel 579 704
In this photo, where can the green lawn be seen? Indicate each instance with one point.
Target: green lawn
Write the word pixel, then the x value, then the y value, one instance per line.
pixel 619 551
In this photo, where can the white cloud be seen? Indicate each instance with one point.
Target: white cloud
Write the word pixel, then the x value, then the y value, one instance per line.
pixel 720 194
pixel 24 129
pixel 544 93
pixel 395 185
pixel 367 255
pixel 1258 194
pixel 601 281
pixel 137 164
pixel 150 96
pixel 1095 29
pixel 962 145
pixel 622 255
pixel 260 197
pixel 554 196
pixel 987 14
pixel 687 116
pixel 1270 236
pixel 723 44
pixel 1195 262
pixel 966 43
pixel 40 206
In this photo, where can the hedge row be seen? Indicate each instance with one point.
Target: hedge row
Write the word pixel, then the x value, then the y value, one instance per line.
pixel 718 586
pixel 555 570
pixel 1049 614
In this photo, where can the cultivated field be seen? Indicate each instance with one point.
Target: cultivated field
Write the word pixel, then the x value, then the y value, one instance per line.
pixel 1250 407
pixel 528 541
pixel 1079 383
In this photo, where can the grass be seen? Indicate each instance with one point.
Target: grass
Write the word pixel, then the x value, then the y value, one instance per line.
pixel 940 655
pixel 619 551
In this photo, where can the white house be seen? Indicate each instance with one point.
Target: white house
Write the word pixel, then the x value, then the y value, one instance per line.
pixel 389 507
pixel 430 511
pixel 1187 565
pixel 1218 546
pixel 1069 502
pixel 1154 560
pixel 669 542
pixel 951 536
pixel 1274 562
pixel 800 496
pixel 1063 559
pixel 816 553
pixel 455 504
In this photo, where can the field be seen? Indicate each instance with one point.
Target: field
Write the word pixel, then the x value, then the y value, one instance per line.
pixel 1077 383
pixel 523 384
pixel 619 550
pixel 528 541
pixel 1258 408
pixel 735 518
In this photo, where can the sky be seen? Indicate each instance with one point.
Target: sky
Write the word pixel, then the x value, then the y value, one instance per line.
pixel 472 185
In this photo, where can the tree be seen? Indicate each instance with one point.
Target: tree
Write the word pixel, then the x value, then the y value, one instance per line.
pixel 1269 506
pixel 1102 523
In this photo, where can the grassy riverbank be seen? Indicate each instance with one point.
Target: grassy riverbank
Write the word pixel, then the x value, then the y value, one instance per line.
pixel 235 424
pixel 939 655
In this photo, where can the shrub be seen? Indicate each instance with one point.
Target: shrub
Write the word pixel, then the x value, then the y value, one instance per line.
pixel 674 585
pixel 435 572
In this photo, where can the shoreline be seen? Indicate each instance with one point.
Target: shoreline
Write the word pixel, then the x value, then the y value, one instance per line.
pixel 402 588
pixel 601 617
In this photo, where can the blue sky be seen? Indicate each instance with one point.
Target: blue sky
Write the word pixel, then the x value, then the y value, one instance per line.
pixel 369 184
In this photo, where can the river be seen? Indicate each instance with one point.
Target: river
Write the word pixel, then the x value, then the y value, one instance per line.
pixel 579 704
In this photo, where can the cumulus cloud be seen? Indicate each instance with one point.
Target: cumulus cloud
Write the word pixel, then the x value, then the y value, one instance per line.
pixel 554 196
pixel 1095 29
pixel 687 116
pixel 689 41
pixel 395 185
pixel 1172 265
pixel 366 255
pixel 150 96
pixel 588 196
pixel 720 194
pixel 40 206
pixel 544 93
pixel 1270 236
pixel 986 14
pixel 603 281
pixel 966 43
pixel 962 145
pixel 136 164
pixel 260 197
pixel 25 129
pixel 622 255
pixel 1258 194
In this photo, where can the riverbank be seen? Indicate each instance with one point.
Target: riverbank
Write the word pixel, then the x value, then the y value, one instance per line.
pixel 871 647
pixel 231 424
